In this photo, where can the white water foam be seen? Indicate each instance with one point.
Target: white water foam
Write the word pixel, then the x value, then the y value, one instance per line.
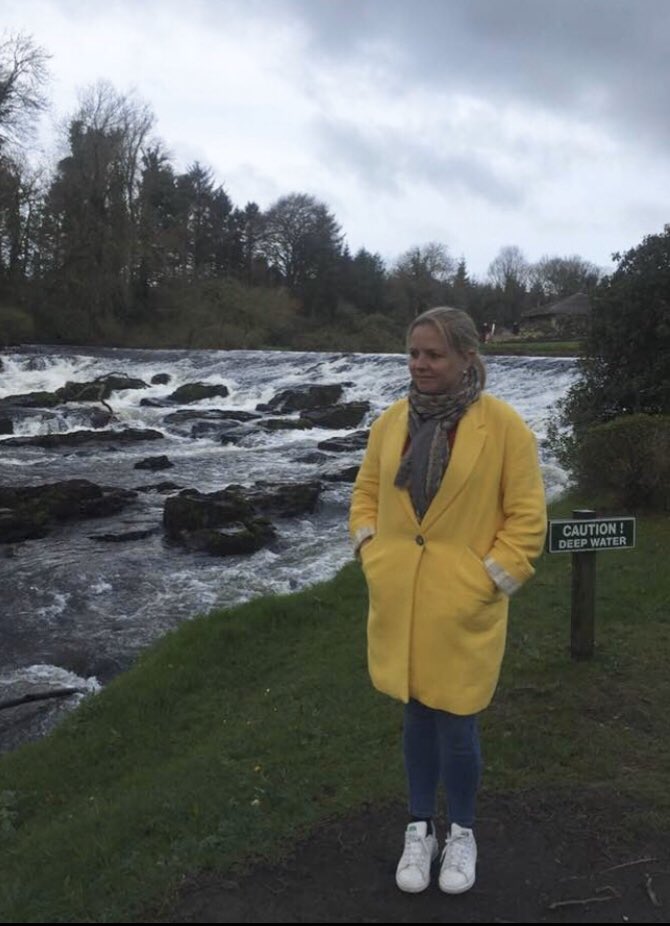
pixel 47 677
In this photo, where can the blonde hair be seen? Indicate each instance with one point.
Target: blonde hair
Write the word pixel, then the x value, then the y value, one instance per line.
pixel 458 330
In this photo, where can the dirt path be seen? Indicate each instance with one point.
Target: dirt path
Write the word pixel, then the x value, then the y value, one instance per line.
pixel 543 858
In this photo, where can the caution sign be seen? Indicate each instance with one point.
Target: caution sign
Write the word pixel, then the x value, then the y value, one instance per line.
pixel 591 536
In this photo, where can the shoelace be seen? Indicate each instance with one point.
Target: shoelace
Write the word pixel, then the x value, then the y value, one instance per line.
pixel 415 850
pixel 457 852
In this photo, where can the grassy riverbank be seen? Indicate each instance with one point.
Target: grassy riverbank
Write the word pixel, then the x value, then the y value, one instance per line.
pixel 519 348
pixel 247 728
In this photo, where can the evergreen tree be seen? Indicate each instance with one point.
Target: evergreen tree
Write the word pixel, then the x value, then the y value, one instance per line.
pixel 253 266
pixel 158 230
pixel 367 276
pixel 461 287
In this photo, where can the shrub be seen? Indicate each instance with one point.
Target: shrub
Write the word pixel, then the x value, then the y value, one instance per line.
pixel 16 325
pixel 628 459
pixel 625 371
pixel 626 363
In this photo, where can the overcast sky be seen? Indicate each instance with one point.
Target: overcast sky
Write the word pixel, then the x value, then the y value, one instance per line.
pixel 475 123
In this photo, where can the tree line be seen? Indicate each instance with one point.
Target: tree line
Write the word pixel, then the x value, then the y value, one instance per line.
pixel 112 244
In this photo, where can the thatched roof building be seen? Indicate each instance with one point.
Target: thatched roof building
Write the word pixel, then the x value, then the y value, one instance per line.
pixel 568 318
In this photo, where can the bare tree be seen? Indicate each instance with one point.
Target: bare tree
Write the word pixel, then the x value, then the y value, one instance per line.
pixel 23 74
pixel 94 209
pixel 509 269
pixel 302 243
pixel 421 275
pixel 297 230
pixel 559 277
pixel 430 260
pixel 118 127
pixel 127 119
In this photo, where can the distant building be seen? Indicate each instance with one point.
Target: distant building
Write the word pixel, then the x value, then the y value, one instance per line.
pixel 569 318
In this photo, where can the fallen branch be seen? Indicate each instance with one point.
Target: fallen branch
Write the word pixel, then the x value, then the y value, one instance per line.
pixel 637 861
pixel 103 381
pixel 612 893
pixel 650 891
pixel 41 696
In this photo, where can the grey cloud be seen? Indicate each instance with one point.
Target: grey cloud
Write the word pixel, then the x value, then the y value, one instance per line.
pixel 388 160
pixel 605 60
pixel 469 174
pixel 344 145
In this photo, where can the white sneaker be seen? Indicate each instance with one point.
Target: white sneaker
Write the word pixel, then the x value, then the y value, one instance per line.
pixel 459 857
pixel 413 871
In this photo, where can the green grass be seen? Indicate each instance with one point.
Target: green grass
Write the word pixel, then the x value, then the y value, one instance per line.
pixel 247 728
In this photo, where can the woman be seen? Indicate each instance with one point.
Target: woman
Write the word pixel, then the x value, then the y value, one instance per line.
pixel 447 515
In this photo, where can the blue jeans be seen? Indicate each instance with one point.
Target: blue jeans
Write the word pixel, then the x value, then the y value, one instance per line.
pixel 440 746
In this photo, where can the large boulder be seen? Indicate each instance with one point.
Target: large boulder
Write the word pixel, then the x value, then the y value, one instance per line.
pixel 234 520
pixel 192 510
pixel 78 438
pixel 283 500
pixel 31 511
pixel 356 441
pixel 154 463
pixel 231 539
pixel 344 475
pixel 98 389
pixel 15 524
pixel 194 392
pixel 222 523
pixel 30 400
pixel 347 415
pixel 160 379
pixel 304 398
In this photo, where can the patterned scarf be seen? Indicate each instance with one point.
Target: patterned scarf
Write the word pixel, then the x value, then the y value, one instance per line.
pixel 431 418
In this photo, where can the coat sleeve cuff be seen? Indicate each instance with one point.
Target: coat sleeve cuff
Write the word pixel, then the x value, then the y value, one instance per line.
pixel 363 533
pixel 501 577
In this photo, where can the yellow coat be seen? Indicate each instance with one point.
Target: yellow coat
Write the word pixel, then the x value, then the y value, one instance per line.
pixel 437 621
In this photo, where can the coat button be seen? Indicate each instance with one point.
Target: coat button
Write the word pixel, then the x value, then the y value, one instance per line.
pixel 420 540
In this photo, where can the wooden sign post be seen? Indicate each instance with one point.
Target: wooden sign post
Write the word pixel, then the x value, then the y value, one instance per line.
pixel 584 536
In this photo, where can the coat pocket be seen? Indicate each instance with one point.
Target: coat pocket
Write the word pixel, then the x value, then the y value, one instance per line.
pixel 475 576
pixel 364 550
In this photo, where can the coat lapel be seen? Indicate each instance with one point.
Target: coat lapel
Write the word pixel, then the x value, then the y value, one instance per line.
pixel 469 442
pixel 399 437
